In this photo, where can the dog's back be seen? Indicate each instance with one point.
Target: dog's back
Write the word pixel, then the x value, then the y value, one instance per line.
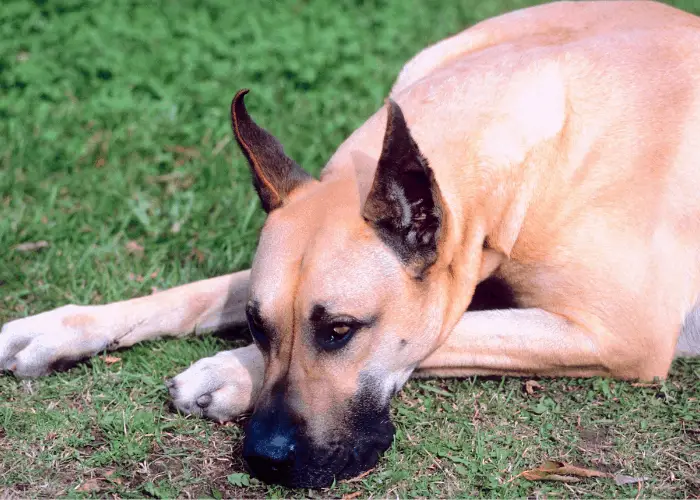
pixel 551 23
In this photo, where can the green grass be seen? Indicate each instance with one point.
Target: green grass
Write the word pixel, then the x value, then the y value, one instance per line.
pixel 114 128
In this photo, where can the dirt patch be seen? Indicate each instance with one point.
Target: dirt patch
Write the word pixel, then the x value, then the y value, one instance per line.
pixel 595 440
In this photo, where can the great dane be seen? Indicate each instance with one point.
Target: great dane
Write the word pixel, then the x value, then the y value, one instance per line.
pixel 540 171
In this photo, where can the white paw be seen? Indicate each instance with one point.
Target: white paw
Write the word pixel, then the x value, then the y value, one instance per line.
pixel 37 345
pixel 220 387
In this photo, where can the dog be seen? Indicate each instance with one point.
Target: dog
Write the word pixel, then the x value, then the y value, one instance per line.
pixel 540 171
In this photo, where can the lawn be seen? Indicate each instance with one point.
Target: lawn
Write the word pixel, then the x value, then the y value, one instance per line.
pixel 116 150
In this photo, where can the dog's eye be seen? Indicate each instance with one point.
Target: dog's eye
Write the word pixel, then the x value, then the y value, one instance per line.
pixel 335 335
pixel 257 330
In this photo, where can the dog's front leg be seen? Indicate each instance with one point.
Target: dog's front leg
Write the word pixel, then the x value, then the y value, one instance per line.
pixel 518 342
pixel 38 344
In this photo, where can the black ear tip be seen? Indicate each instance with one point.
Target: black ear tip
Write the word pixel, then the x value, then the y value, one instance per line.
pixel 240 94
pixel 391 105
pixel 237 104
pixel 395 113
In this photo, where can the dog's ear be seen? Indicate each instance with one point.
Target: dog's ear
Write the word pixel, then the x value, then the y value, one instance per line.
pixel 275 175
pixel 404 205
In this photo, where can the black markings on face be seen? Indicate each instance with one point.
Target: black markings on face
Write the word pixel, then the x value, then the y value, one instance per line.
pixel 318 314
pixel 369 423
pixel 261 332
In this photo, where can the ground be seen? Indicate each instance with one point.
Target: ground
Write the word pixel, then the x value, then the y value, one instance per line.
pixel 116 152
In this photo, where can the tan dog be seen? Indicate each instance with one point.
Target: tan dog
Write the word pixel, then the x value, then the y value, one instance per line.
pixel 553 155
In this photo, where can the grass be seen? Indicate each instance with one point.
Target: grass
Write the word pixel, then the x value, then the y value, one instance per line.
pixel 114 129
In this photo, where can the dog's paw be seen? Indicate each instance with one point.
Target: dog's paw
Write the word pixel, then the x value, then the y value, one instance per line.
pixel 221 387
pixel 38 345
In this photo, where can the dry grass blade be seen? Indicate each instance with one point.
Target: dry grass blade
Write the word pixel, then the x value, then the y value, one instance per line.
pixel 32 246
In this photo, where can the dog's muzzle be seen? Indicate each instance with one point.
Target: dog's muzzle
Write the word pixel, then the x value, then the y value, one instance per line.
pixel 277 450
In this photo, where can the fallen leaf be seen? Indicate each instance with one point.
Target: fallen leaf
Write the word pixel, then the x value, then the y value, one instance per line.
pixel 560 471
pixel 579 471
pixel 350 496
pixel 134 247
pixel 110 360
pixel 645 384
pixel 621 479
pixel 531 386
pixel 89 485
pixel 32 246
pixel 556 477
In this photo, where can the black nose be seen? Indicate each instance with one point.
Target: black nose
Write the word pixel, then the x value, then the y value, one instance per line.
pixel 272 455
pixel 270 447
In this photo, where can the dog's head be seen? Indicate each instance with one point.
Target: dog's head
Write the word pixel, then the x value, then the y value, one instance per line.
pixel 349 292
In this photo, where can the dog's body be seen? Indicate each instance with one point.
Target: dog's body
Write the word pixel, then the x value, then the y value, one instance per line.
pixel 556 152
